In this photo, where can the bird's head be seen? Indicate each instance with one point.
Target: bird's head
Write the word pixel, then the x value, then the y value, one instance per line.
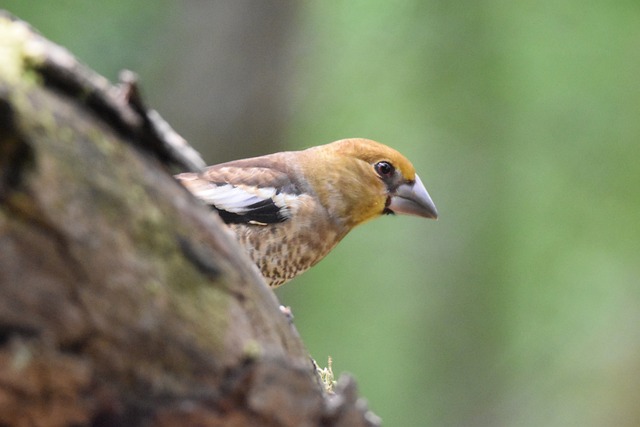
pixel 361 179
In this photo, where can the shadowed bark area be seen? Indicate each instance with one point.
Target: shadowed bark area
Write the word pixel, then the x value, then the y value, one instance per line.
pixel 124 301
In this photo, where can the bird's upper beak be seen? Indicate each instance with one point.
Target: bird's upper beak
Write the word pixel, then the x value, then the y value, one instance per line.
pixel 413 199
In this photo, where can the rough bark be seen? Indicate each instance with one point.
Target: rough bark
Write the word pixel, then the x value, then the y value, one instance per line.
pixel 123 301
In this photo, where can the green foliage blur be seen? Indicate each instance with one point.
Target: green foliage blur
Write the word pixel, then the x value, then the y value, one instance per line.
pixel 521 305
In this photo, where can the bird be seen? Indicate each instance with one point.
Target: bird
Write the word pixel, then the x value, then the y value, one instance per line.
pixel 289 209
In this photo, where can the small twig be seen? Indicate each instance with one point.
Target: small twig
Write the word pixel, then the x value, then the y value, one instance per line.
pixel 159 131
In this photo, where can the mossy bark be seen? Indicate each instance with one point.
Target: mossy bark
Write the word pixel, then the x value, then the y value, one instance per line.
pixel 123 301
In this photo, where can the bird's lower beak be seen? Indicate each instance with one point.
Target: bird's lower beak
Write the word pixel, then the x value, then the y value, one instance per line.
pixel 413 199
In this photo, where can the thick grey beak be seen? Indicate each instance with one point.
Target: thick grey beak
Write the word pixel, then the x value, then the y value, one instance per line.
pixel 413 199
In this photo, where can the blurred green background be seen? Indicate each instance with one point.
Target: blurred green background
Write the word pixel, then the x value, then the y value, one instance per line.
pixel 521 305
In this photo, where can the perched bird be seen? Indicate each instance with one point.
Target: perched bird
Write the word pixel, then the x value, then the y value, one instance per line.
pixel 290 209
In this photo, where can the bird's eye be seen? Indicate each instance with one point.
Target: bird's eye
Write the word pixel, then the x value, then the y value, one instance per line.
pixel 384 169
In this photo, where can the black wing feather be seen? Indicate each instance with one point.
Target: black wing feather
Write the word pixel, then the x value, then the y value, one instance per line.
pixel 263 212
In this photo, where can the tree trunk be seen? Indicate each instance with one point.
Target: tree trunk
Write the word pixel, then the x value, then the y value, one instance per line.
pixel 123 300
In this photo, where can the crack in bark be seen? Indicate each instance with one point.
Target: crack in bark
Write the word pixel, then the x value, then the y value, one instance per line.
pixel 16 156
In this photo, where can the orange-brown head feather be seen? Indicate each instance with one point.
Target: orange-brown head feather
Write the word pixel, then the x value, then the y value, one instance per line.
pixel 344 177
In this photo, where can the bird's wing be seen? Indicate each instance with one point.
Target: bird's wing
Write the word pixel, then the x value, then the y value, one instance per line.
pixel 245 191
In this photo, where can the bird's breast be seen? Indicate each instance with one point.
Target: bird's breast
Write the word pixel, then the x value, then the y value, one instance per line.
pixel 283 251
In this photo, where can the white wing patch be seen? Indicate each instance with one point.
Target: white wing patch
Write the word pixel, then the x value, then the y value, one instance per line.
pixel 230 198
pixel 243 199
